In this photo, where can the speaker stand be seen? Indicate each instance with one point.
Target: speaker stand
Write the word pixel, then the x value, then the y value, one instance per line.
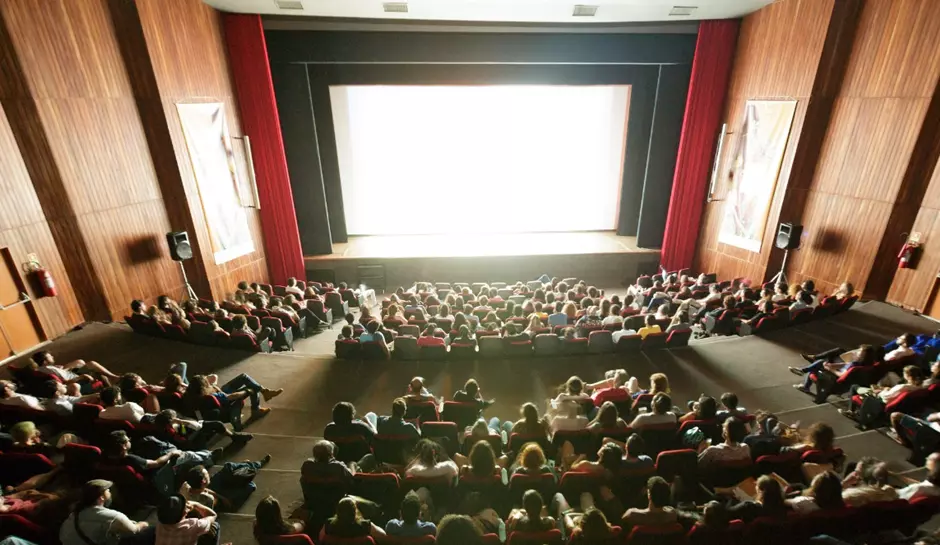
pixel 782 276
pixel 188 292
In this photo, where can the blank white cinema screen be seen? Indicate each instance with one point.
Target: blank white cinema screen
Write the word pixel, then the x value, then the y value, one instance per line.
pixel 429 159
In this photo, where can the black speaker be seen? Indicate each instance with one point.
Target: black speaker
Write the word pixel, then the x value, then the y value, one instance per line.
pixel 178 241
pixel 788 236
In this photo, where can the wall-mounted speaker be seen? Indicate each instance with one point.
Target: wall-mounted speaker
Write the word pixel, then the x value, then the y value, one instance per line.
pixel 180 249
pixel 788 236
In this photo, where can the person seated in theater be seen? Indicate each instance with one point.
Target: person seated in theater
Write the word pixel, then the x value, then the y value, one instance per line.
pixel 732 449
pixel 217 312
pixel 868 483
pixel 570 310
pixel 228 489
pixel 349 523
pixel 324 465
pixel 614 316
pixel 650 327
pixel 345 423
pixel 418 392
pixel 57 400
pixel 279 308
pixel 231 396
pixel 803 299
pixel 429 336
pixel 394 312
pixel 198 433
pixel 270 523
pixel 929 487
pixel 138 309
pixel 728 303
pixel 27 438
pixel 529 518
pixel 706 408
pixel 464 337
pixel 293 288
pixel 625 331
pixel 74 372
pixel 617 387
pixel 115 408
pixel 877 397
pixel 345 334
pixel 240 326
pixel 607 419
pixel 431 461
pixel 513 333
pixel 243 286
pixel 491 318
pixel 534 327
pixel 680 322
pixel 394 424
pixel 410 524
pixel 824 492
pixel 9 396
pixel 657 513
pixel 532 424
pixel 531 461
pixel 93 522
pixel 765 309
pixel 863 357
pixel 730 408
pixel 471 394
pixel 663 312
pixel 134 388
pixel 374 334
pixel 588 322
pixel 540 311
pixel 36 506
pixel 780 292
pixel 117 451
pixel 769 502
pixel 167 305
pixel 661 413
pixel 311 294
pixel 570 395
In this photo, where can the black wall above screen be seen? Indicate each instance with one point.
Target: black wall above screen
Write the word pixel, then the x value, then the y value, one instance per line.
pixel 304 63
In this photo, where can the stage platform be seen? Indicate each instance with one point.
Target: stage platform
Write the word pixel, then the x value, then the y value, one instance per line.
pixel 601 258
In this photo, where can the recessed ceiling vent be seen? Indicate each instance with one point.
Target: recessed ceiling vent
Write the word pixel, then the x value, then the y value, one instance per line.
pixel 395 7
pixel 581 10
pixel 682 11
pixel 289 4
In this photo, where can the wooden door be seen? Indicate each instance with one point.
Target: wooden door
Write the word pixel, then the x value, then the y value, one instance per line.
pixel 19 324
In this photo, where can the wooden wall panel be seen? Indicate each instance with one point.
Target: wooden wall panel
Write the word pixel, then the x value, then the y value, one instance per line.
pixel 173 30
pixel 81 130
pixel 777 56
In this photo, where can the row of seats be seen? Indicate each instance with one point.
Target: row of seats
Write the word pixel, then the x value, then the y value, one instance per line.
pixel 492 346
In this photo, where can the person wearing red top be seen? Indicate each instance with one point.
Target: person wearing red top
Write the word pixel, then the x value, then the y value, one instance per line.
pixel 617 391
pixel 428 339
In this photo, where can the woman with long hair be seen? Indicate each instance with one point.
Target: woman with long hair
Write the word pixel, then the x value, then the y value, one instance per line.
pixel 349 523
pixel 824 492
pixel 607 418
pixel 531 423
pixel 270 523
pixel 591 527
pixel 531 461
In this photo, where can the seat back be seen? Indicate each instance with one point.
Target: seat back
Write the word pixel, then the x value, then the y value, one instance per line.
pixel 678 339
pixel 629 344
pixel 462 414
pixel 242 341
pixel 581 440
pixel 518 440
pixel 392 449
pixel 423 411
pixel 600 342
pixel 16 467
pixel 382 488
pixel 373 350
pixel 465 351
pixel 349 349
pixel 654 341
pixel 659 437
pixel 673 534
pixel 350 448
pixel 544 484
pixel 491 347
pixel 551 537
pixel 444 433
pixel 322 494
pixel 574 346
pixel 547 344
pixel 518 349
pixel 575 483
pixel 728 473
pixel 682 462
pixel 433 353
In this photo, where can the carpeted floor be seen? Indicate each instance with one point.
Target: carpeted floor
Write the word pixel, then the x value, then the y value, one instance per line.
pixel 755 368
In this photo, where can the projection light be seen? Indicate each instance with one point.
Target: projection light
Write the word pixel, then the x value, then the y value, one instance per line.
pixel 584 11
pixel 395 7
pixel 679 11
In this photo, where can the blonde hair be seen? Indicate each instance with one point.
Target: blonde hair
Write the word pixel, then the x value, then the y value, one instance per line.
pixel 570 310
pixel 659 383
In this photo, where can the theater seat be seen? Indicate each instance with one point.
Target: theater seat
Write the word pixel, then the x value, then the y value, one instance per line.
pixel 547 344
pixel 574 346
pixel 491 347
pixel 629 344
pixel 678 339
pixel 544 484
pixel 655 341
pixel 673 534
pixel 433 353
pixel 382 488
pixel 600 342
pixel 349 349
pixel 551 537
pixel 444 433
pixel 463 351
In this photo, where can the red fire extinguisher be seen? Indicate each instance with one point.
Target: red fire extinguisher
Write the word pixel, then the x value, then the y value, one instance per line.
pixel 906 255
pixel 43 278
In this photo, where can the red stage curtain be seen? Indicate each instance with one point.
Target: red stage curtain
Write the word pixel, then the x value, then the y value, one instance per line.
pixel 714 53
pixel 248 57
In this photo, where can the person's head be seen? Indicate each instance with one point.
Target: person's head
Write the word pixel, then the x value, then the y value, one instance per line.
pixel 95 492
pixel 866 354
pixel 137 306
pixel 907 340
pixel 532 504
pixel 482 459
pixel 733 430
pixel 43 358
pixel 729 401
pixel 459 530
pixel 347 331
pixel 163 302
pixel 820 436
pixel 826 489
pixel 472 388
pixel 661 403
pixel 809 285
pixel 707 408
pixel 715 515
pixel 780 288
pixel 635 446
pixel 269 519
pixel 428 452
pixel 574 386
pixel 110 396
pixel 570 310
pixel 119 442
pixel 729 302
pixel 770 493
pixel 568 333
pixel 593 525
pixel 164 418
pixel 610 456
pixel 806 297
pixel 131 381
pixel 659 383
pixel 416 386
pixel 198 386
pixel 7 388
pixel 714 289
pixel 531 457
pixel 658 492
pixel 373 327
pixel 933 468
pixel 323 451
pixel 847 289
pixel 464 331
pixel 343 412
pixel 52 389
pixel 410 508
pixel 649 320
pixel 663 310
pixel 197 478
pixel 913 375
pixel 766 293
pixel 25 433
pixel 872 471
pixel 429 330
pixel 444 310
pixel 239 322
pixel 399 408
pixel 347 513
pixel 607 416
pixel 530 414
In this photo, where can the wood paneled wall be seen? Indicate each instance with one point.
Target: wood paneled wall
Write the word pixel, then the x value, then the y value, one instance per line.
pixel 91 183
pixel 864 153
pixel 174 29
pixel 777 57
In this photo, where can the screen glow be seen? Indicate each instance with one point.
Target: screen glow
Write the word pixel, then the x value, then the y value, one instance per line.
pixel 480 159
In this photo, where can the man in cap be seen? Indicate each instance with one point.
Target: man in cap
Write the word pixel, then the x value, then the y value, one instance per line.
pixel 93 521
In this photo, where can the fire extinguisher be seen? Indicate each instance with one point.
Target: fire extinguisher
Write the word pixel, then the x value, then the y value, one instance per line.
pixel 906 255
pixel 43 278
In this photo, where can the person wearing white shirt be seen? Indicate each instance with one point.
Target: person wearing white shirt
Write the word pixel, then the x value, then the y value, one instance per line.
pixel 57 400
pixel 75 372
pixel 928 487
pixel 660 414
pixel 117 409
pixel 804 299
pixel 614 317
pixel 732 449
pixel 9 396
pixel 93 522
pixel 616 335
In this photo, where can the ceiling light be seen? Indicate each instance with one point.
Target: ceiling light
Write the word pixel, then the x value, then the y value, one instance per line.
pixel 395 7
pixel 584 11
pixel 289 4
pixel 682 10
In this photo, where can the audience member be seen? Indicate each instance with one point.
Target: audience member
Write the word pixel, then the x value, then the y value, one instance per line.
pixel 270 523
pixel 658 512
pixel 410 524
pixel 177 527
pixel 93 521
